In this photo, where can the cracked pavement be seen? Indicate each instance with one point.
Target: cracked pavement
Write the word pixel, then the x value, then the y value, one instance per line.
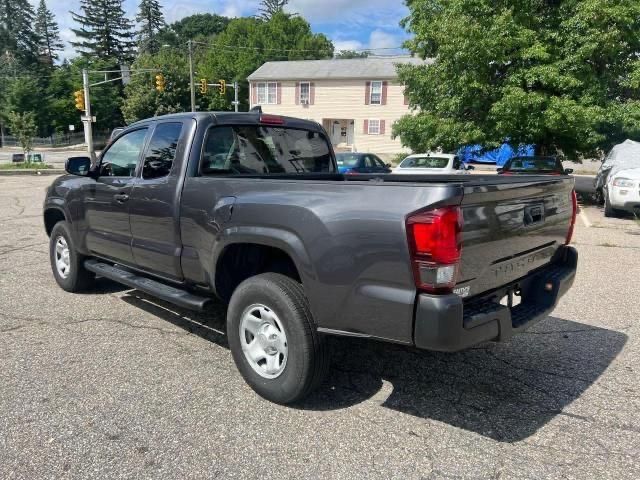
pixel 115 384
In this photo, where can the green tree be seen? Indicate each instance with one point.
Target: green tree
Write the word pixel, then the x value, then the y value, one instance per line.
pixel 269 8
pixel 564 76
pixel 199 26
pixel 48 34
pixel 17 36
pixel 151 22
pixel 247 43
pixel 60 106
pixel 23 126
pixel 142 100
pixel 105 33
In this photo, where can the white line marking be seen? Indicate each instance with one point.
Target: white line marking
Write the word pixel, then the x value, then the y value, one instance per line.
pixel 585 219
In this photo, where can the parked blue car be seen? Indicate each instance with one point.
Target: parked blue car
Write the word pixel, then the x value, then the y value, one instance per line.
pixel 361 163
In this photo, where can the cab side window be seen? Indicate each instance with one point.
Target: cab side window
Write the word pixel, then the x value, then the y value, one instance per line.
pixel 121 159
pixel 162 150
pixel 456 163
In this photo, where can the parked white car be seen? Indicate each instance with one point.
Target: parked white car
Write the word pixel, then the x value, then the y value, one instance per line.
pixel 622 192
pixel 618 180
pixel 432 163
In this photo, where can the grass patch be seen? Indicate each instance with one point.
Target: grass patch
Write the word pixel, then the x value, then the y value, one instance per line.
pixel 23 166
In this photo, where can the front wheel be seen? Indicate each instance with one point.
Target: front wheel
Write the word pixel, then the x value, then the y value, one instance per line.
pixel 273 339
pixel 66 263
pixel 609 211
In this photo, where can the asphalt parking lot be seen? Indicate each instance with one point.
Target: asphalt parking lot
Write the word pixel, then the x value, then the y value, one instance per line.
pixel 114 384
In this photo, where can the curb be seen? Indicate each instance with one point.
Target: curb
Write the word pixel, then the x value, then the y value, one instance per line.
pixel 33 171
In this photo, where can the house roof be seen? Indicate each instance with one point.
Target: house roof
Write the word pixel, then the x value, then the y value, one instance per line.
pixel 336 68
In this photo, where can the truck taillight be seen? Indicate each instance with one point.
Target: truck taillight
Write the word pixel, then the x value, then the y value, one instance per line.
pixel 435 244
pixel 574 213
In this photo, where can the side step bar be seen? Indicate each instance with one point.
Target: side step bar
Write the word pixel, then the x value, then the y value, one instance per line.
pixel 157 289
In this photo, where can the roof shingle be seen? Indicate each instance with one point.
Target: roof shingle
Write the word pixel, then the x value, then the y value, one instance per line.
pixel 371 67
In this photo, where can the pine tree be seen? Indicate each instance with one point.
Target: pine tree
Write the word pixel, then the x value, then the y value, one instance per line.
pixel 268 8
pixel 16 29
pixel 104 33
pixel 48 34
pixel 151 19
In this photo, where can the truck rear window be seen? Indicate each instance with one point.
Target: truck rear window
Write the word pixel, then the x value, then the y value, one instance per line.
pixel 262 150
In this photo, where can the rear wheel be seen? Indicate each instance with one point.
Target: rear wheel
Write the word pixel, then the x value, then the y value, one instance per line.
pixel 67 264
pixel 273 339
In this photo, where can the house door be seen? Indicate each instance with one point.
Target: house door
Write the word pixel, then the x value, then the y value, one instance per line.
pixel 350 132
pixel 336 132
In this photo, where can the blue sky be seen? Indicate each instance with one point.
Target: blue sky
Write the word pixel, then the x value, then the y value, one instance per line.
pixel 350 24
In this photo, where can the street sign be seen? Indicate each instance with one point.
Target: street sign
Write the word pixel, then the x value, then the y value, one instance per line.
pixel 92 119
pixel 72 128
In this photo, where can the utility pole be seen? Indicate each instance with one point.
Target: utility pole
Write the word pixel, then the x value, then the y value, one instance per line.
pixel 191 84
pixel 88 119
pixel 235 95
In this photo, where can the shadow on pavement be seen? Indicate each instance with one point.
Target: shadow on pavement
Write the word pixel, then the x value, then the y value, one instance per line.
pixel 502 391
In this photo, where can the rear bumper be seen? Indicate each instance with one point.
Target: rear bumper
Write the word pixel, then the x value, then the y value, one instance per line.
pixel 448 323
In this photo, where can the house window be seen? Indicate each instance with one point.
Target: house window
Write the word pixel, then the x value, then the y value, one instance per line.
pixel 305 93
pixel 375 96
pixel 374 127
pixel 267 93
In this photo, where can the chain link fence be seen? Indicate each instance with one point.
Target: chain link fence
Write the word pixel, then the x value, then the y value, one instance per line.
pixel 59 140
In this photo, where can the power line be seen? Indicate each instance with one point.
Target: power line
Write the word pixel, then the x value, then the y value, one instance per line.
pixel 289 50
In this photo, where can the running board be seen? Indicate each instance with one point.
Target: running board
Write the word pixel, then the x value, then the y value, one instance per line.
pixel 157 289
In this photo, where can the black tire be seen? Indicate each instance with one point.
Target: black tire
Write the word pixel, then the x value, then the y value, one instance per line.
pixel 608 210
pixel 78 278
pixel 307 357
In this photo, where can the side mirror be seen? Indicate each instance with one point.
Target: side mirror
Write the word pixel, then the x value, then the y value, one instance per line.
pixel 568 171
pixel 499 170
pixel 470 167
pixel 388 165
pixel 78 166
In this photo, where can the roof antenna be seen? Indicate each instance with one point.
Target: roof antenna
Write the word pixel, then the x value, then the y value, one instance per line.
pixel 257 109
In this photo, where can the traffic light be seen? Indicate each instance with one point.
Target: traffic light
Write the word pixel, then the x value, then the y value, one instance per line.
pixel 222 85
pixel 78 97
pixel 160 82
pixel 203 86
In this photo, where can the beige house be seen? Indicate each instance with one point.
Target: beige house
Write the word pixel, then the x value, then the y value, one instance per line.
pixel 356 100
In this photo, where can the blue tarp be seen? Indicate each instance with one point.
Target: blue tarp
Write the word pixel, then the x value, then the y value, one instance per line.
pixel 499 156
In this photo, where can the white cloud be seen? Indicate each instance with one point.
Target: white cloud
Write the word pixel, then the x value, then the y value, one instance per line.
pixel 69 51
pixel 378 39
pixel 381 39
pixel 350 11
pixel 348 45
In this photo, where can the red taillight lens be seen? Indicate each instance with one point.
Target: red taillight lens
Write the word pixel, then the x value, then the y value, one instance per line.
pixel 574 213
pixel 271 119
pixel 435 244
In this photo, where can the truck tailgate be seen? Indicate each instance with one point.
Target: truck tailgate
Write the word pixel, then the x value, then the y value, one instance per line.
pixel 511 229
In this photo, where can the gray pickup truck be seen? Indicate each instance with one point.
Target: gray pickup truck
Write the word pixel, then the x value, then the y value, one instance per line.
pixel 249 208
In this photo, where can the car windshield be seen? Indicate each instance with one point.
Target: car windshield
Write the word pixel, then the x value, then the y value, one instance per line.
pixel 425 162
pixel 533 164
pixel 347 159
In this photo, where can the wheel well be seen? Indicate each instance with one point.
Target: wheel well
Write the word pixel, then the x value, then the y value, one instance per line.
pixel 240 261
pixel 51 217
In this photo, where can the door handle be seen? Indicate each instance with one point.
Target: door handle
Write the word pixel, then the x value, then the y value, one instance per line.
pixel 121 197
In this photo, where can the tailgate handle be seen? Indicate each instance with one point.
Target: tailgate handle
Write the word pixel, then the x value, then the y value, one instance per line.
pixel 533 214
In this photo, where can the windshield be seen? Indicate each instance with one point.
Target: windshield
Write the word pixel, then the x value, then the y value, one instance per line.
pixel 534 164
pixel 347 159
pixel 425 162
pixel 256 149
